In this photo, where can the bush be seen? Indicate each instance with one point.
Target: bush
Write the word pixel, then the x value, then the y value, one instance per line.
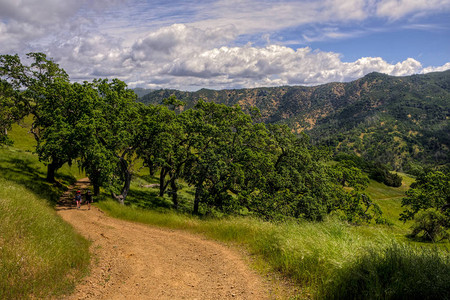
pixel 376 171
pixel 381 173
pixel 394 272
pixel 431 225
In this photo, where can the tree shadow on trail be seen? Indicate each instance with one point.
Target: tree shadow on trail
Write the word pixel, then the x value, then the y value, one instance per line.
pixel 31 174
pixel 148 200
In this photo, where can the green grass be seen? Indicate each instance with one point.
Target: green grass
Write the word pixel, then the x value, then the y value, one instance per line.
pixel 395 271
pixel 318 256
pixel 390 201
pixel 40 255
pixel 21 136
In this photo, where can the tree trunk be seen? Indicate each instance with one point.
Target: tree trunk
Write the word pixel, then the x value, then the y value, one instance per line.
pixel 119 198
pixel 173 186
pixel 162 183
pixel 94 178
pixel 96 189
pixel 51 170
pixel 198 192
pixel 127 181
pixel 151 168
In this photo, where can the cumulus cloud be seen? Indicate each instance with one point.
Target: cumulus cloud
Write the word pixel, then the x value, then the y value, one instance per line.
pixel 26 23
pixel 436 69
pixel 181 56
pixel 25 20
pixel 180 40
pixel 91 55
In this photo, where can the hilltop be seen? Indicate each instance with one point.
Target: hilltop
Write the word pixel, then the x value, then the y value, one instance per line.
pixel 401 121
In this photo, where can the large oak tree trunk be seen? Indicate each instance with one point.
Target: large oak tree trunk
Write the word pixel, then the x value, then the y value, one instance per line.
pixel 51 171
pixel 96 189
pixel 173 186
pixel 127 181
pixel 162 184
pixel 198 193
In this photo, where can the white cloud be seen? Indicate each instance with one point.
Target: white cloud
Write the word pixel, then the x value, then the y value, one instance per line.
pixel 25 20
pixel 256 16
pixel 90 55
pixel 27 23
pixel 180 40
pixel 187 62
pixel 38 13
pixel 436 69
pixel 395 9
pixel 131 42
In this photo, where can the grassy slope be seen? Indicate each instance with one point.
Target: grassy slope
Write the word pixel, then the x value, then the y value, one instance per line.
pixel 390 200
pixel 40 254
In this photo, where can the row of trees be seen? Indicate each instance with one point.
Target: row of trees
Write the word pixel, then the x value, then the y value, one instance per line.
pixel 233 162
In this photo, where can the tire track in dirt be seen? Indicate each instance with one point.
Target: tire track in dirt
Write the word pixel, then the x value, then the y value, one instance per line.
pixel 135 261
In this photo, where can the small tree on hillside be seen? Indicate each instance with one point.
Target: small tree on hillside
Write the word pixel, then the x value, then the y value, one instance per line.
pixel 46 93
pixel 430 196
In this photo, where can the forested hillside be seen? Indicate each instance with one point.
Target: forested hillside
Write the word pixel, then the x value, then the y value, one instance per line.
pixel 401 121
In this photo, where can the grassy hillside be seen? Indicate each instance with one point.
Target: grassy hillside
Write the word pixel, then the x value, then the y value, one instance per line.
pixel 399 121
pixel 41 256
pixel 389 199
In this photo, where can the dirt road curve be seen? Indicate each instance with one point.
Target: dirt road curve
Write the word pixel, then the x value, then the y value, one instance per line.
pixel 133 261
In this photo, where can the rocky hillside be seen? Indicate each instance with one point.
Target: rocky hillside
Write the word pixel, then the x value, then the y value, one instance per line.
pixel 402 121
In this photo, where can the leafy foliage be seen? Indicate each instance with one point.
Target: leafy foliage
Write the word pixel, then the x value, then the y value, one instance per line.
pixel 109 131
pixel 376 171
pixel 430 196
pixel 235 163
pixel 431 225
pixel 11 110
pixel 45 91
pixel 430 190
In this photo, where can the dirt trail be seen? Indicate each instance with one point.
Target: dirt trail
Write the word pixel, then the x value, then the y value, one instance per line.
pixel 135 261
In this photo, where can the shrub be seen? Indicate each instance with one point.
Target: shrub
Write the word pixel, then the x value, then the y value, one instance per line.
pixel 395 272
pixel 431 225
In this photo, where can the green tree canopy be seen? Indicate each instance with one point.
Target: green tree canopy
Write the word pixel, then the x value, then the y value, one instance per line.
pixel 109 130
pixel 46 93
pixel 428 202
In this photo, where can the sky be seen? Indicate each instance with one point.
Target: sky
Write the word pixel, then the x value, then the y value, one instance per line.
pixel 224 44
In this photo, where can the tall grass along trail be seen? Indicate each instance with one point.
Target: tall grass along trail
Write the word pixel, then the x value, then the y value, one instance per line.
pixel 134 261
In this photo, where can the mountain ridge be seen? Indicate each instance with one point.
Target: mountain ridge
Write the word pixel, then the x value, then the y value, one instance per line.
pixel 406 117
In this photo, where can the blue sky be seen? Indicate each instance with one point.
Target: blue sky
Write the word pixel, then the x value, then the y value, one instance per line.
pixel 229 43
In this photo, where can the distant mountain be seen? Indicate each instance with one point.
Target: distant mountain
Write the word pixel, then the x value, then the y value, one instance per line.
pixel 140 92
pixel 401 121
